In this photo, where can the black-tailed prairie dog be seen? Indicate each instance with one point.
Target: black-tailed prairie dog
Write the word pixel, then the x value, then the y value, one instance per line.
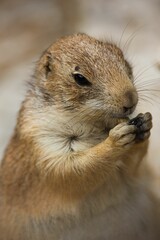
pixel 70 169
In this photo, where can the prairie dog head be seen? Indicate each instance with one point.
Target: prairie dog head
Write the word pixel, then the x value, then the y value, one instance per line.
pixel 81 74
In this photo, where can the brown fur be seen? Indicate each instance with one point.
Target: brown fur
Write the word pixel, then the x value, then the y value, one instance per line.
pixel 64 169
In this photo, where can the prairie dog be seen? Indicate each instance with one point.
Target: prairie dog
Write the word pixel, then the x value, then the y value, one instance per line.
pixel 70 170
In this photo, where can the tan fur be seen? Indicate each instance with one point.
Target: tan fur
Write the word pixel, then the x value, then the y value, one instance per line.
pixel 71 168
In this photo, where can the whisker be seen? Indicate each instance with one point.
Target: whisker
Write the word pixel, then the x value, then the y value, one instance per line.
pixel 148 87
pixel 122 35
pixel 145 99
pixel 149 98
pixel 130 39
pixel 151 103
pixel 148 90
pixel 144 80
pixel 141 72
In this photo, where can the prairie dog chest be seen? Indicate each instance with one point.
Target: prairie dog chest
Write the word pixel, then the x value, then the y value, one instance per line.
pixel 77 137
pixel 87 136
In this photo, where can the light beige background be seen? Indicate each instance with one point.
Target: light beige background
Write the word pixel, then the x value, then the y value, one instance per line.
pixel 28 27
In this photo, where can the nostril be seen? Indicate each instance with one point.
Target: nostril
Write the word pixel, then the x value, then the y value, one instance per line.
pixel 126 109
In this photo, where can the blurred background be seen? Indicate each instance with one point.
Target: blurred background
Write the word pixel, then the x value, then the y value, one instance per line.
pixel 28 27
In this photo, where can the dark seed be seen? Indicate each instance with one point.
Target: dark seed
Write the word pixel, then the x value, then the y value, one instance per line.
pixel 137 121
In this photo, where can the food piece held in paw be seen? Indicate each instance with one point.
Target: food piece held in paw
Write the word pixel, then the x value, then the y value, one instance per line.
pixel 143 122
pixel 137 121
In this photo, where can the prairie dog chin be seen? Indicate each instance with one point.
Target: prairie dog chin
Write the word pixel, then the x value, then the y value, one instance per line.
pixel 70 169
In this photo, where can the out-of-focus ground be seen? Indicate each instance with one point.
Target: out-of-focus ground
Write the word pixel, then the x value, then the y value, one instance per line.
pixel 28 27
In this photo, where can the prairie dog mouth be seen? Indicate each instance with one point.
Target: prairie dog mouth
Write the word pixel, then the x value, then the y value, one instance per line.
pixel 119 116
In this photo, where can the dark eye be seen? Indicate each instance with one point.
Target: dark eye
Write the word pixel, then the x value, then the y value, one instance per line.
pixel 81 80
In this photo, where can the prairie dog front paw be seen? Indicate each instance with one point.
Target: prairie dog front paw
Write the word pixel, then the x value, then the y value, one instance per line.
pixel 123 135
pixel 143 122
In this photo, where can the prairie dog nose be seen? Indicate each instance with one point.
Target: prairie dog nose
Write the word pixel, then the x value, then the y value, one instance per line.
pixel 130 100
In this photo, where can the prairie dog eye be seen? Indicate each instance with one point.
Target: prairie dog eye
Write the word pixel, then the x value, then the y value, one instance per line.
pixel 81 80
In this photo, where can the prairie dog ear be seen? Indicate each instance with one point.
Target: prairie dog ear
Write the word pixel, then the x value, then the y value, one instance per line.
pixel 45 65
pixel 48 66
